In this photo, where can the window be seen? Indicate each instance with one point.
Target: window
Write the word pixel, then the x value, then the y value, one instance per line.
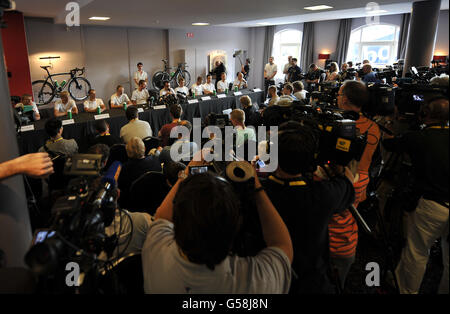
pixel 286 43
pixel 376 43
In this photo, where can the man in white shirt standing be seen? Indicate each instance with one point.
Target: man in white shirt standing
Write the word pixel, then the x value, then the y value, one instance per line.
pixel 140 75
pixel 240 82
pixel 208 87
pixel 134 127
pixel 64 105
pixel 197 88
pixel 222 85
pixel 270 70
pixel 119 98
pixel 166 89
pixel 92 103
pixel 27 100
pixel 140 96
pixel 181 88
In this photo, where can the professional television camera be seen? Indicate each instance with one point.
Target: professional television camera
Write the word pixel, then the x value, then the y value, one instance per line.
pixel 326 93
pixel 387 74
pixel 381 100
pixel 77 230
pixel 339 142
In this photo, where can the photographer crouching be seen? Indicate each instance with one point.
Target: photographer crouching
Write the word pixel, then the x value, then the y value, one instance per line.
pixel 428 216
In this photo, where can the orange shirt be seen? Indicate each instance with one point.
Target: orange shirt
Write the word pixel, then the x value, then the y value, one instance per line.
pixel 373 137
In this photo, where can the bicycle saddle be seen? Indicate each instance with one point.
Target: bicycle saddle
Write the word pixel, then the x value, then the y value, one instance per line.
pixel 46 66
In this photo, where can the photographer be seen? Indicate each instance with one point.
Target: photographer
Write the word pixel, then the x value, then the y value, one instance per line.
pixel 368 75
pixel 306 205
pixel 294 72
pixel 313 76
pixel 343 229
pixel 428 150
pixel 188 247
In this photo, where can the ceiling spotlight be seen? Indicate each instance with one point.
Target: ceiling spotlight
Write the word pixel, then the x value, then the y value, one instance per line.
pixel 99 18
pixel 318 7
pixel 200 24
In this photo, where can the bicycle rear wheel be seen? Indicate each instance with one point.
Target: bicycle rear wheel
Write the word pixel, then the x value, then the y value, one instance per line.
pixel 158 79
pixel 187 77
pixel 79 88
pixel 43 92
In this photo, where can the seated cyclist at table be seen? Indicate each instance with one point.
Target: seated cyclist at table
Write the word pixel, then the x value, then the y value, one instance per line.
pixel 222 85
pixel 197 88
pixel 181 88
pixel 240 82
pixel 166 89
pixel 119 98
pixel 208 87
pixel 27 100
pixel 140 96
pixel 64 105
pixel 92 103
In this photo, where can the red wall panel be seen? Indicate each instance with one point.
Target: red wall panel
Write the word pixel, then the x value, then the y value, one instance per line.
pixel 16 54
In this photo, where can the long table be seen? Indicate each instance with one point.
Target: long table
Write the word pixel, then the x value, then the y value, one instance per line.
pixel 82 130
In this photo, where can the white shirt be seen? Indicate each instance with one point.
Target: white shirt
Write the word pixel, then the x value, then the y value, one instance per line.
pixel 119 100
pixel 163 92
pixel 197 89
pixel 209 87
pixel 300 95
pixel 33 106
pixel 222 86
pixel 134 128
pixel 270 69
pixel 183 89
pixel 139 76
pixel 240 84
pixel 140 96
pixel 64 107
pixel 90 105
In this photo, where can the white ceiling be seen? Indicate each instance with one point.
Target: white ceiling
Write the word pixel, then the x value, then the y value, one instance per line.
pixel 182 13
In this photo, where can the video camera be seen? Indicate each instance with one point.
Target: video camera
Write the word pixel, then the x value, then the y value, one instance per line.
pixel 77 232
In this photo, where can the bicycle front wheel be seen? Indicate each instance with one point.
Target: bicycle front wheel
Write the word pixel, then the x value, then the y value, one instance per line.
pixel 159 78
pixel 187 77
pixel 79 88
pixel 43 92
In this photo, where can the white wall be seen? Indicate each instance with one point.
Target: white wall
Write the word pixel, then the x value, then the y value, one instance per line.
pixel 441 46
pixel 205 40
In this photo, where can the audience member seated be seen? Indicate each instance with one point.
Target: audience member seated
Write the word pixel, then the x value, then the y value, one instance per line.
pixel 171 171
pixel 305 205
pixel 56 143
pixel 100 149
pixel 166 90
pixel 332 73
pixel 175 113
pixel 344 75
pixel 197 88
pixel 189 246
pixel 240 82
pixel 222 85
pixel 368 76
pixel 140 95
pixel 136 166
pixel 181 88
pixel 252 116
pixel 92 103
pixel 287 98
pixel 119 98
pixel 134 127
pixel 208 87
pixel 295 72
pixel 273 96
pixel 27 100
pixel 299 91
pixel 64 105
pixel 104 136
pixel 243 134
pixel 182 149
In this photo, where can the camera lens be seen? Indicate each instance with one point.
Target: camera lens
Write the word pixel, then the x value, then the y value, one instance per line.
pixel 238 172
